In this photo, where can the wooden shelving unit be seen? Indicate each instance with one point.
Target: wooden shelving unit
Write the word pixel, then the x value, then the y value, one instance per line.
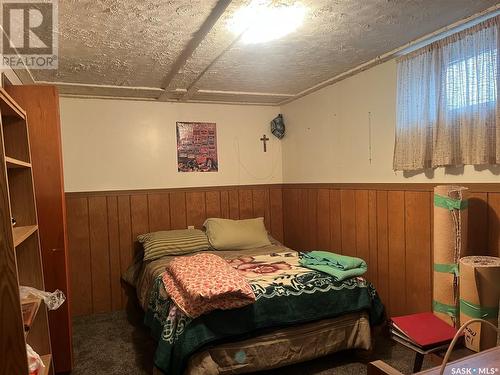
pixel 14 163
pixel 22 233
pixel 20 257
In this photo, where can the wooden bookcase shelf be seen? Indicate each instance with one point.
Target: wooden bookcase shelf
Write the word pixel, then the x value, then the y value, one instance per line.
pixel 22 233
pixel 9 108
pixel 47 361
pixel 32 306
pixel 20 256
pixel 14 163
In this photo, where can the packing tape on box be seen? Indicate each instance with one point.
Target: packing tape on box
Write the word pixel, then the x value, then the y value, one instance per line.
pixel 450 203
pixel 450 310
pixel 450 244
pixel 446 268
pixel 477 311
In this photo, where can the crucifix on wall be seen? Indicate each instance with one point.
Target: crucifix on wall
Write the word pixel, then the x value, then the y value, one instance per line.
pixel 264 140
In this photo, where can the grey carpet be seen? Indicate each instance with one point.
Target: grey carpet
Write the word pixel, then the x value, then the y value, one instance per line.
pixel 118 344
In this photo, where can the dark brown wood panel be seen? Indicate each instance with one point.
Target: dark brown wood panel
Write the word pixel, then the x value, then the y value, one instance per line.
pixel 98 229
pixel 234 205
pixel 348 224
pixel 260 204
pixel 291 217
pixel 418 251
pixel 323 219
pixel 224 204
pixel 80 265
pixel 312 220
pixel 213 204
pixel 373 237
pixel 397 251
pixel 362 226
pixel 245 204
pixel 114 253
pixel 178 210
pixel 335 221
pixel 125 237
pixel 159 211
pixel 390 228
pixel 195 209
pixel 103 230
pixel 276 207
pixel 383 280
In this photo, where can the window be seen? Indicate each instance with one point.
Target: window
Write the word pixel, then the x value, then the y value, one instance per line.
pixel 447 101
pixel 471 81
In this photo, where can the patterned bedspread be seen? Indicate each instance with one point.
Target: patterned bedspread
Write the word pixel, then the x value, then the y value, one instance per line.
pixel 286 294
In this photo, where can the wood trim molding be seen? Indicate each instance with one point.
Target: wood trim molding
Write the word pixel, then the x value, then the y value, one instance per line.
pixel 474 187
pixel 76 194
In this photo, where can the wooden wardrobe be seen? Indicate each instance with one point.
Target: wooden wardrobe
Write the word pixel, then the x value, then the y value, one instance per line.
pixel 41 104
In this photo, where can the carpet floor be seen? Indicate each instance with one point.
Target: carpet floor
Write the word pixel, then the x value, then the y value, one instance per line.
pixel 118 344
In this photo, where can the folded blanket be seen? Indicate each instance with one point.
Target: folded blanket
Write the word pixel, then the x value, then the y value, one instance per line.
pixel 341 267
pixel 205 282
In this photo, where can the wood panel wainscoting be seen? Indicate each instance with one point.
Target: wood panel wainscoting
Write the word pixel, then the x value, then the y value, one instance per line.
pixel 388 225
pixel 103 226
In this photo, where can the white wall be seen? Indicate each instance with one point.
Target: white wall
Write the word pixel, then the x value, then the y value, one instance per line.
pixel 328 138
pixel 120 145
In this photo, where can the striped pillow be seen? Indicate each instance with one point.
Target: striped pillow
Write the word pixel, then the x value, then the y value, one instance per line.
pixel 172 242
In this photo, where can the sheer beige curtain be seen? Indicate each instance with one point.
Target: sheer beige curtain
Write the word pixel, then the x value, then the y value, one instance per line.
pixel 447 107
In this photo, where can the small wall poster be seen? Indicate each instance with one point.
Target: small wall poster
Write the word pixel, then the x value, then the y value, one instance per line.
pixel 197 147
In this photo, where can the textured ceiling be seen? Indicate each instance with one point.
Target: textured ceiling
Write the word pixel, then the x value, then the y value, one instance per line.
pixel 134 45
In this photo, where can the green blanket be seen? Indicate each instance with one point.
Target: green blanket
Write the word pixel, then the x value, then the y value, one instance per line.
pixel 341 267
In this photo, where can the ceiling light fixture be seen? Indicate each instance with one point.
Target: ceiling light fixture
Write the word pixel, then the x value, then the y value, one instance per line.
pixel 262 21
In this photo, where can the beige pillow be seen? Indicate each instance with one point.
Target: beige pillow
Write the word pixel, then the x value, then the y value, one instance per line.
pixel 226 234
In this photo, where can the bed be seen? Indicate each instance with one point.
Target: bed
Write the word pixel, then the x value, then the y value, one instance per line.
pixel 299 314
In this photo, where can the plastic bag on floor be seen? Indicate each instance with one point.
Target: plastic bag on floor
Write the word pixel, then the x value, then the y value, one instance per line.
pixel 53 300
pixel 35 363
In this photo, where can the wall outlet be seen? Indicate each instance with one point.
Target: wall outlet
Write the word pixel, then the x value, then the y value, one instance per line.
pixel 190 226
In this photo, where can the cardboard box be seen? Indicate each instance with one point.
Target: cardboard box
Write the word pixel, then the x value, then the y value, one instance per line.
pixel 479 298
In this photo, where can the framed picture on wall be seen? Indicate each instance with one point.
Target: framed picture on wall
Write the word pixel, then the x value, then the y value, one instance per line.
pixel 197 147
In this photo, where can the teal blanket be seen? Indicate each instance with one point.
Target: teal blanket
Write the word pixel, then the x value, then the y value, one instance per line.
pixel 341 267
pixel 295 296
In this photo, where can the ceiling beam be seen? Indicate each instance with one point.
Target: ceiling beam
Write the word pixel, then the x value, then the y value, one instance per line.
pixel 195 41
pixel 192 85
pixel 189 93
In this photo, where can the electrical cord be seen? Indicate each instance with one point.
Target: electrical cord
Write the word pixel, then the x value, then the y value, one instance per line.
pixel 457 335
pixel 274 162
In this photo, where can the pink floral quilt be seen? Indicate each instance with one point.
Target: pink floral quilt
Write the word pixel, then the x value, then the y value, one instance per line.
pixel 205 282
